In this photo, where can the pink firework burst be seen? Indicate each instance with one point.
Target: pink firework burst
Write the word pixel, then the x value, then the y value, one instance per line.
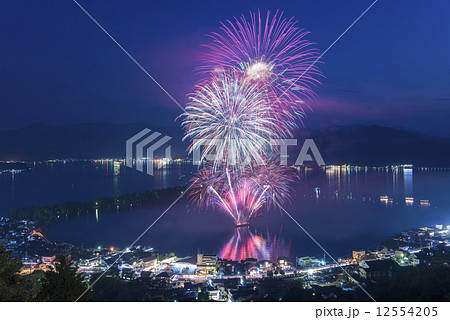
pixel 241 195
pixel 272 52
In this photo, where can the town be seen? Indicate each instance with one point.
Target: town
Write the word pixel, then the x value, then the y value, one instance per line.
pixel 208 277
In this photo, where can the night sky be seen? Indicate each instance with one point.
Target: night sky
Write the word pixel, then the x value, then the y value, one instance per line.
pixel 57 67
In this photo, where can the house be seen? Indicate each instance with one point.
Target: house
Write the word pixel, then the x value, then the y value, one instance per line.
pixel 206 264
pixel 378 270
pixel 150 262
pixel 48 260
pixel 185 266
pixel 265 265
pixel 358 255
pixel 283 263
pixel 308 262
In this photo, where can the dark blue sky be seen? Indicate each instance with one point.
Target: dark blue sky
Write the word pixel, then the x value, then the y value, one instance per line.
pixel 392 68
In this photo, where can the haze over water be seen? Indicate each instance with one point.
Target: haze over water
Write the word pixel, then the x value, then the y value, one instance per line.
pixel 340 208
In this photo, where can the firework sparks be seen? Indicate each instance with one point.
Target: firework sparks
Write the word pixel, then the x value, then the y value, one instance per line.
pixel 241 195
pixel 272 52
pixel 233 121
pixel 258 73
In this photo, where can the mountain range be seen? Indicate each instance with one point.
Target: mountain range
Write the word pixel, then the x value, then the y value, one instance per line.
pixel 356 145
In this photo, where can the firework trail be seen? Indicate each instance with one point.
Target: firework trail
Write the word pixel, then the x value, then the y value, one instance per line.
pixel 242 194
pixel 273 53
pixel 231 118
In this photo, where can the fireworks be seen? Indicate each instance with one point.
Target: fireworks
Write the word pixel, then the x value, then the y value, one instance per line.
pixel 231 117
pixel 272 52
pixel 242 195
pixel 257 74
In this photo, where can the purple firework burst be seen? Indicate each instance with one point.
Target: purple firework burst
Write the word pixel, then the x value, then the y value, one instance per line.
pixel 272 52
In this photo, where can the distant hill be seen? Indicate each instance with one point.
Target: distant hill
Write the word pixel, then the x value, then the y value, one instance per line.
pixel 378 146
pixel 360 145
pixel 91 141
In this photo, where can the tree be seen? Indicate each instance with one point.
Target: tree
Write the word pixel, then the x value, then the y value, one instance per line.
pixel 11 284
pixel 203 296
pixel 296 292
pixel 427 284
pixel 114 289
pixel 63 285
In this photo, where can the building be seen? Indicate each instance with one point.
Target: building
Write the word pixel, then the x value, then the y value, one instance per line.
pixel 150 262
pixel 283 263
pixel 358 255
pixel 185 266
pixel 272 287
pixel 127 273
pixel 206 264
pixel 405 258
pixel 265 265
pixel 379 269
pixel 214 295
pixel 250 264
pixel 48 260
pixel 308 262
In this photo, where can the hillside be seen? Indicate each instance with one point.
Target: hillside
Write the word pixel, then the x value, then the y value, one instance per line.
pixel 365 145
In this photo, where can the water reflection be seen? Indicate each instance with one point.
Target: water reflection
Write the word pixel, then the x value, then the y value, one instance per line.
pixel 341 181
pixel 246 244
pixel 408 180
pixel 54 182
pixel 345 217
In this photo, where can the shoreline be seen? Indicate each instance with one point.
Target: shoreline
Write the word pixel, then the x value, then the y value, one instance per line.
pixel 51 213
